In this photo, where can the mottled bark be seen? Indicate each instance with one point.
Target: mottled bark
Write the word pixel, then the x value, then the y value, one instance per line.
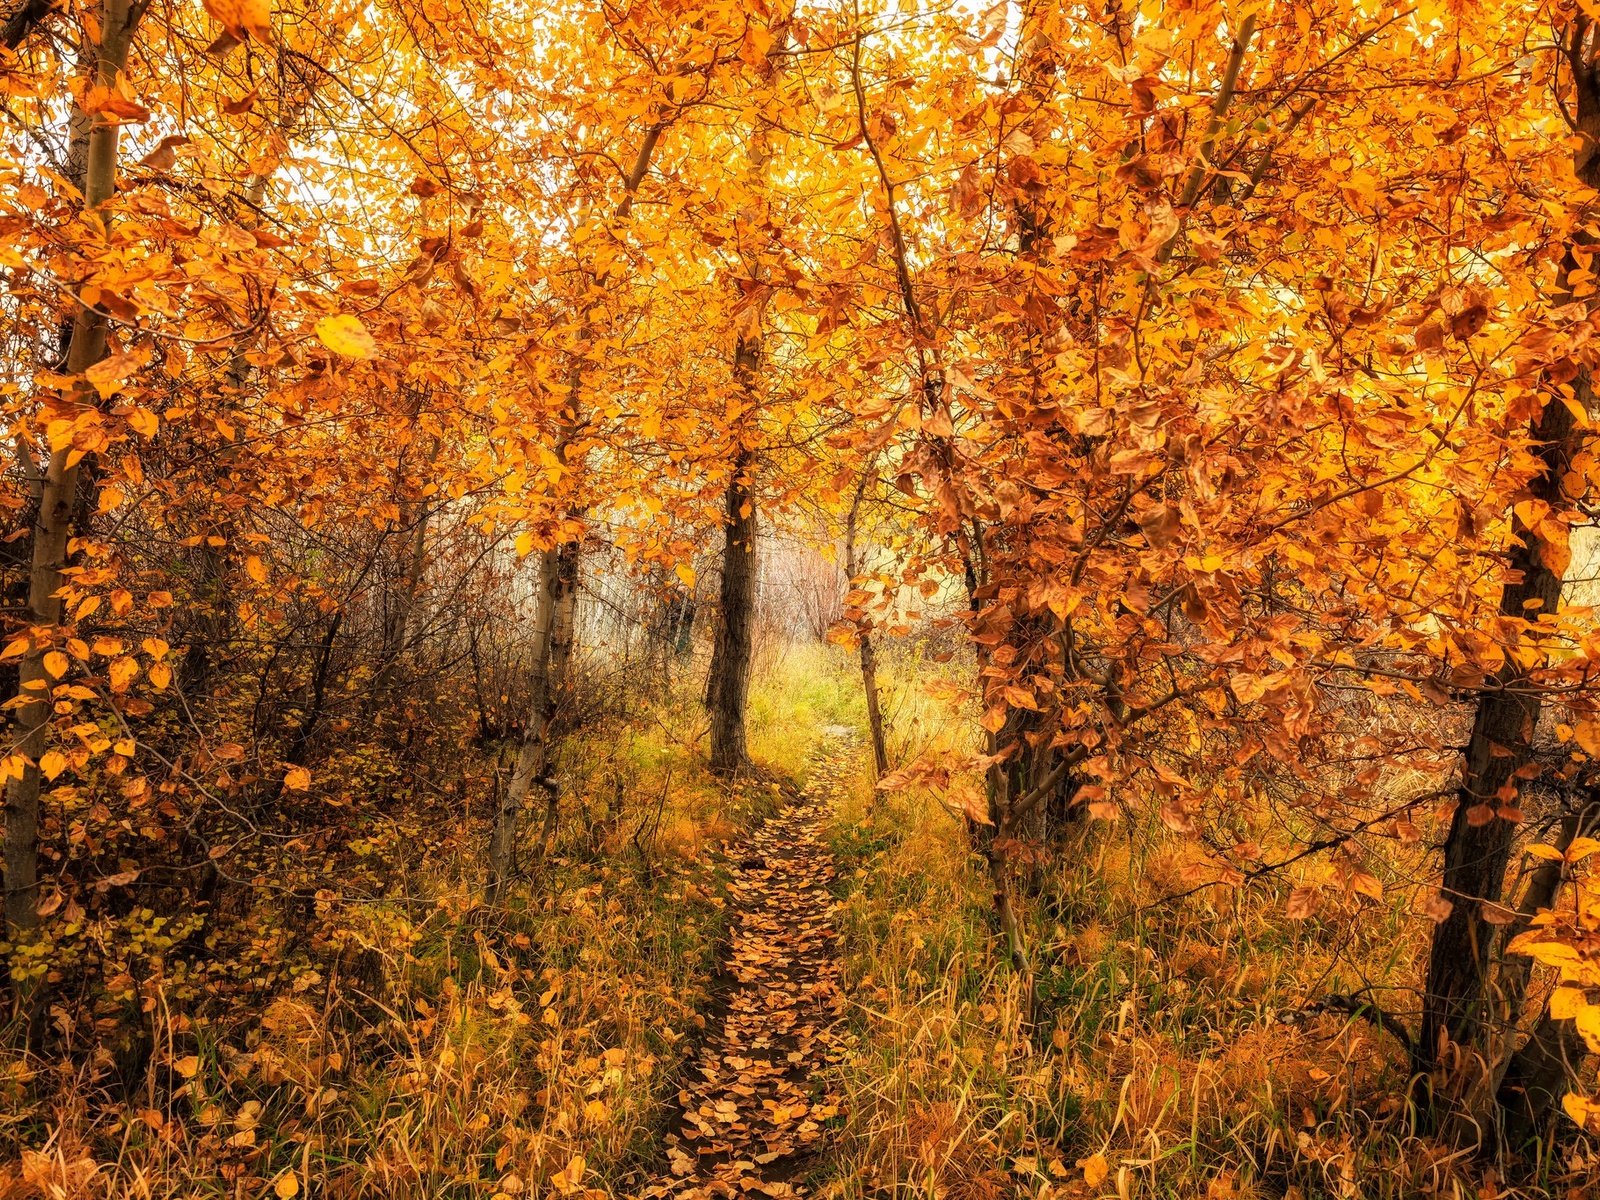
pixel 864 647
pixel 1456 999
pixel 53 524
pixel 533 756
pixel 729 684
pixel 563 633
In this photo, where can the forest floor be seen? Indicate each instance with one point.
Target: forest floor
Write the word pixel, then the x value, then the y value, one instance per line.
pixel 755 1105
pixel 782 985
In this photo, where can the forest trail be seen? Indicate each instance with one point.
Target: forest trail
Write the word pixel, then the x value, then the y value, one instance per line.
pixel 753 1106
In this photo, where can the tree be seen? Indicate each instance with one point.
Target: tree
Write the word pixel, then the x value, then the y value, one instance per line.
pixel 77 407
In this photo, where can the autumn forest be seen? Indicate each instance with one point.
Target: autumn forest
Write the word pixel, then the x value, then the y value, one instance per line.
pixel 754 598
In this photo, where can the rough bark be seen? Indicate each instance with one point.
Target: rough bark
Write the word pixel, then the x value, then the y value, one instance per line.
pixel 864 647
pixel 563 633
pixel 729 688
pixel 1478 845
pixel 1456 1000
pixel 533 757
pixel 53 524
pixel 24 19
pixel 1532 1080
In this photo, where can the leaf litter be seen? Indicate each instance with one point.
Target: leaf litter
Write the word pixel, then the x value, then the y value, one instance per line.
pixel 757 1103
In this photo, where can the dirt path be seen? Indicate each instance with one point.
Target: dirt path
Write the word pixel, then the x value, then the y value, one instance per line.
pixel 753 1107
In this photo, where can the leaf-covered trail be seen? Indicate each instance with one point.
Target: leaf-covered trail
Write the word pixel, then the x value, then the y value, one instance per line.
pixel 754 1103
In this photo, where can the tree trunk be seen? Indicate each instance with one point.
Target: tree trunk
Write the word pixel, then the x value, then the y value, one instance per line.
pixel 1478 846
pixel 1536 1079
pixel 729 688
pixel 214 619
pixel 553 622
pixel 1010 925
pixel 864 647
pixel 562 637
pixel 533 757
pixel 1532 1080
pixel 398 635
pixel 869 683
pixel 53 525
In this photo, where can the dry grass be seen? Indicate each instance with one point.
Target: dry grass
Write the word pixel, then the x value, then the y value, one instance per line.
pixel 420 1047
pixel 420 1050
pixel 1170 1046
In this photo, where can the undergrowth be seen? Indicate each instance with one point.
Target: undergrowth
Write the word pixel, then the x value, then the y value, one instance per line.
pixel 1174 1049
pixel 399 1040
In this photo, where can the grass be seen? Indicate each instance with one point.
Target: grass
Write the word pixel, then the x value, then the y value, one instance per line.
pixel 1170 1054
pixel 413 1046
pixel 409 1044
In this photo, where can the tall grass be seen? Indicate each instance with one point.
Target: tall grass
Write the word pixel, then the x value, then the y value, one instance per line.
pixel 1172 1051
pixel 421 1047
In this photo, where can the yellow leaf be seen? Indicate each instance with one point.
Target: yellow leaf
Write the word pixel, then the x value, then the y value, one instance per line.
pixel 122 671
pixel 52 763
pixel 255 568
pixel 240 17
pixel 686 574
pixel 297 779
pixel 1579 1109
pixel 143 422
pixel 346 335
pixel 188 1066
pixel 107 374
pixel 286 1185
pixel 160 675
pixel 111 498
pixel 567 1179
pixel 1248 687
pixel 1565 1002
pixel 56 663
pixel 257 19
pixel 1095 1169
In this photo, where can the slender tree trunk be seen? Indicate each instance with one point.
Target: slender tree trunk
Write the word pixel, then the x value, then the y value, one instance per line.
pixel 398 623
pixel 864 647
pixel 553 621
pixel 398 629
pixel 729 688
pixel 563 636
pixel 53 525
pixel 533 757
pixel 214 619
pixel 1010 925
pixel 1538 1076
